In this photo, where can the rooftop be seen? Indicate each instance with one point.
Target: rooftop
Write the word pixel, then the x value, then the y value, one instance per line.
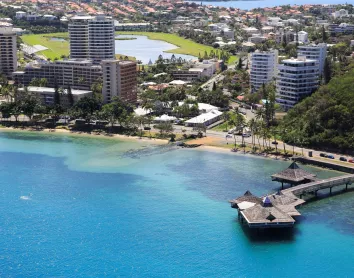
pixel 293 174
pixel 204 117
pixel 34 89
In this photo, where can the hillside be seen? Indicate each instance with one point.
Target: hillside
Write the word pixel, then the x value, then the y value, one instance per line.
pixel 325 119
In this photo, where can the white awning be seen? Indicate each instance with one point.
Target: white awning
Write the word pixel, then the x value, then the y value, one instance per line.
pixel 245 205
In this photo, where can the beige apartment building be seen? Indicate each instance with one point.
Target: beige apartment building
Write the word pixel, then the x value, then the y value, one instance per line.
pixel 79 74
pixel 119 79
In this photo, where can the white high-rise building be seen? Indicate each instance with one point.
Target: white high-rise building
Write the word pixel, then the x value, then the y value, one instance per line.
pixel 263 68
pixel 8 49
pixel 78 34
pixel 101 38
pixel 302 37
pixel 314 52
pixel 92 37
pixel 297 79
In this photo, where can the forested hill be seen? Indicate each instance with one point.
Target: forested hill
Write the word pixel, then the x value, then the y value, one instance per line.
pixel 326 118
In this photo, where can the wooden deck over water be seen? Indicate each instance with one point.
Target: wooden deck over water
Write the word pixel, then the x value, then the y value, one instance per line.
pixel 283 209
pixel 318 185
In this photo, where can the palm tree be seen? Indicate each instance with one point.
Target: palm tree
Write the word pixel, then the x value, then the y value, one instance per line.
pixel 252 124
pixel 274 132
pixel 259 114
pixel 3 79
pixel 226 117
pixel 139 120
pixel 148 121
pixel 259 132
pixel 283 132
pixel 43 82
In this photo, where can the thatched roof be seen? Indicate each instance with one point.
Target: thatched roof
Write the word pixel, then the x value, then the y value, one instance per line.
pixel 286 203
pixel 247 197
pixel 293 174
pixel 261 214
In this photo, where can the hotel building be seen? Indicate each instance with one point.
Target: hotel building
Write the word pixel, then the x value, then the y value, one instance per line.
pixel 314 52
pixel 119 79
pixel 297 79
pixel 8 49
pixel 77 73
pixel 263 68
pixel 92 59
pixel 92 37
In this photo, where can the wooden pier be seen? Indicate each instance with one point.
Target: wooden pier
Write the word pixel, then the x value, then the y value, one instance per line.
pixel 314 187
pixel 279 209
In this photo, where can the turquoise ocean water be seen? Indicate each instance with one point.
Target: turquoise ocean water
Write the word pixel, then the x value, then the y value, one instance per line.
pixel 84 207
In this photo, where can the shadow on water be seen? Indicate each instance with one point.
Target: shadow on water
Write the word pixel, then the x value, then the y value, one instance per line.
pixel 269 235
pixel 149 151
pixel 340 190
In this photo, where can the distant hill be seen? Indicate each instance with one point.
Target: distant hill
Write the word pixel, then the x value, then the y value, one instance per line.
pixel 326 118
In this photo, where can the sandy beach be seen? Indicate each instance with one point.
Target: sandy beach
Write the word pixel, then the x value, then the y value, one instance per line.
pixel 207 143
pixel 85 134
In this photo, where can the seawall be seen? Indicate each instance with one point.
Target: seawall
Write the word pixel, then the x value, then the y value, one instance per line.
pixel 325 164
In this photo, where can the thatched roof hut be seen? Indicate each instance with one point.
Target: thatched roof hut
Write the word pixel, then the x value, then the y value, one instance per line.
pixel 260 216
pixel 293 175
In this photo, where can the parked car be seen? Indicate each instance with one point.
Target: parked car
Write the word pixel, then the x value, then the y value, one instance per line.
pixel 323 155
pixel 246 135
pixel 343 159
pixel 330 156
pixel 231 131
pixel 351 160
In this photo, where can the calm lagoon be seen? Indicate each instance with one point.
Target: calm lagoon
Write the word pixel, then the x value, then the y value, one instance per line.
pixel 144 49
pixel 74 206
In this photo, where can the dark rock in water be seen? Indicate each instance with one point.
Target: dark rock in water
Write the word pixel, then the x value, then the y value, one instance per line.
pixel 191 145
pixel 149 150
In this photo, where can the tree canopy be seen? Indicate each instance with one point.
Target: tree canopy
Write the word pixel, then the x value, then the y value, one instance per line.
pixel 325 119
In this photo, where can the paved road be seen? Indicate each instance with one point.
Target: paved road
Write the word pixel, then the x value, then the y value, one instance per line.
pixel 209 84
pixel 289 148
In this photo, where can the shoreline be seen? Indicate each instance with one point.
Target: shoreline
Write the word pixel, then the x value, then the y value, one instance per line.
pixel 153 141
pixel 259 155
pixel 85 134
pixel 202 147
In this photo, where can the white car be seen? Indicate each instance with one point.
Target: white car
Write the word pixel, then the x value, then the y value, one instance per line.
pixel 231 131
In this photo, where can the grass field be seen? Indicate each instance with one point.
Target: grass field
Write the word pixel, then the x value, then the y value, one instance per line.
pixel 222 127
pixel 185 46
pixel 58 48
pixel 55 48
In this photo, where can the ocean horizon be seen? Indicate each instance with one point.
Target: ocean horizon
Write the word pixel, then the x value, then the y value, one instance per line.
pixel 250 4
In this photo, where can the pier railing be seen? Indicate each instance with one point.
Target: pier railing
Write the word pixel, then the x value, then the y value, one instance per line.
pixel 319 184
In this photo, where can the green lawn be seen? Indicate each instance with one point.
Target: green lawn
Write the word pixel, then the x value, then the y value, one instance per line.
pixel 55 48
pixel 185 46
pixel 222 127
pixel 59 48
